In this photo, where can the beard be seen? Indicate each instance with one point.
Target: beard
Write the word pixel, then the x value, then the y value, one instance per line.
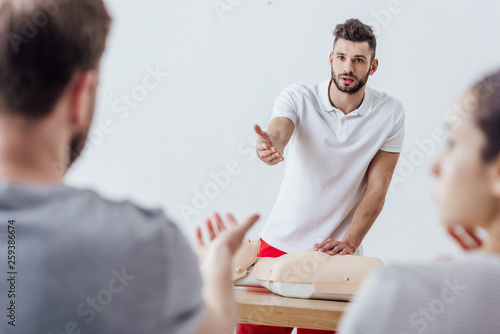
pixel 77 145
pixel 350 90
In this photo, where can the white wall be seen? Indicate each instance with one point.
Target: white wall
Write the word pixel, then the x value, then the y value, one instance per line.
pixel 226 69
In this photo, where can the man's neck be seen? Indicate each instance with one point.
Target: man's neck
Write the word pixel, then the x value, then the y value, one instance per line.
pixel 347 103
pixel 29 156
pixel 38 172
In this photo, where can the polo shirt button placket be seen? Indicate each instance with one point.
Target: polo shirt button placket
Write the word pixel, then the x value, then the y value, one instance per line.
pixel 342 129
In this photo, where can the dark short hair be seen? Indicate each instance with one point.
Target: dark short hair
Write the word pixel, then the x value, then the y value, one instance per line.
pixel 355 31
pixel 487 113
pixel 43 43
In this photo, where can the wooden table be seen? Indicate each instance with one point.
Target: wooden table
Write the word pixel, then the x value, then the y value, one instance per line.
pixel 259 306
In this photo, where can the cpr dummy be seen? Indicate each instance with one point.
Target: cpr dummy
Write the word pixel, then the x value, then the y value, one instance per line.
pixel 302 274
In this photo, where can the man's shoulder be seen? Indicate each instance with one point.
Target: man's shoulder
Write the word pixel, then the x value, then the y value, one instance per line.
pixel 382 98
pixel 436 275
pixel 114 211
pixel 306 88
pixel 96 217
pixel 87 194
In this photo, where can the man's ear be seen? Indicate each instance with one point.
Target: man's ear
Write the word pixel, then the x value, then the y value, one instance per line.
pixel 374 66
pixel 80 96
pixel 331 58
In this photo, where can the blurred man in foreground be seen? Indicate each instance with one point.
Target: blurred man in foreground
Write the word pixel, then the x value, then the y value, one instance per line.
pixel 79 263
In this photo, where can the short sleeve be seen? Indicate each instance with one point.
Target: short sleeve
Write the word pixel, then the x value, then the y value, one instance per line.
pixel 287 104
pixel 394 142
pixel 372 308
pixel 183 301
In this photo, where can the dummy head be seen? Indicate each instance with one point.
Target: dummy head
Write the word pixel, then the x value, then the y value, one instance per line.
pixel 467 173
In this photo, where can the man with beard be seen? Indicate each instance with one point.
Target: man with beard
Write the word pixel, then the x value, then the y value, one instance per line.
pixel 78 262
pixel 345 140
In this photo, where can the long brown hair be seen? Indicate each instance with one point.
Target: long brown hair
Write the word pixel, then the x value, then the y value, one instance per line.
pixel 487 114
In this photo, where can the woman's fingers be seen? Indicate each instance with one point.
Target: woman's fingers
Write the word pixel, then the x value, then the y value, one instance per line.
pixel 472 234
pixel 230 218
pixel 230 235
pixel 218 220
pixel 210 229
pixel 199 238
pixel 465 237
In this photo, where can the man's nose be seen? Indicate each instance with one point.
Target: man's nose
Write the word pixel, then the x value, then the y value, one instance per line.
pixel 348 68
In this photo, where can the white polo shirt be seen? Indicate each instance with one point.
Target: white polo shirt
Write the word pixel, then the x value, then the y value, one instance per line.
pixel 326 163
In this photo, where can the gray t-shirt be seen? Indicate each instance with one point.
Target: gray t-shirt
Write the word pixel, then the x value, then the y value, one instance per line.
pixel 85 264
pixel 452 297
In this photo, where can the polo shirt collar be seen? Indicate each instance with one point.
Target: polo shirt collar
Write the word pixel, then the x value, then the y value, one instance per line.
pixel 327 106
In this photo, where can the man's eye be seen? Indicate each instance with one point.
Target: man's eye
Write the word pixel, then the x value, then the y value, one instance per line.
pixel 359 60
pixel 341 57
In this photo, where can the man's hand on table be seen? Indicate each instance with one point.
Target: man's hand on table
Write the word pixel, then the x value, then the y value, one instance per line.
pixel 266 149
pixel 333 247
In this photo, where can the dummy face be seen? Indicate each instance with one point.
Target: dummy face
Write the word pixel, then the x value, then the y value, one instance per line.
pixel 463 180
pixel 78 141
pixel 351 66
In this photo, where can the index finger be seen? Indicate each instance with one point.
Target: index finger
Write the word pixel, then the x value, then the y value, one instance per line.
pixel 246 225
pixel 263 145
pixel 250 222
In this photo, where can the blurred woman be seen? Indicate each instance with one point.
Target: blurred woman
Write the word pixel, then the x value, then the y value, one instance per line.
pixel 462 295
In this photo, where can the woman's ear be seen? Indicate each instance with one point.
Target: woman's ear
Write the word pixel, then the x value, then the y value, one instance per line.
pixel 495 177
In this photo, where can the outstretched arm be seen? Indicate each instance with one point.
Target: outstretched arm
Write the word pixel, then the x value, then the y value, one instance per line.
pixel 379 177
pixel 271 143
pixel 220 315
